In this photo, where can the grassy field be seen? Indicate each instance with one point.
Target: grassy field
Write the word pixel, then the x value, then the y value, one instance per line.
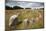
pixel 27 13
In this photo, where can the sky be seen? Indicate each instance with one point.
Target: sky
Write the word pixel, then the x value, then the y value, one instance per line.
pixel 24 4
pixel 27 0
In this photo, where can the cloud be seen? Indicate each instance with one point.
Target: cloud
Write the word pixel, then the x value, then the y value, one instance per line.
pixel 24 4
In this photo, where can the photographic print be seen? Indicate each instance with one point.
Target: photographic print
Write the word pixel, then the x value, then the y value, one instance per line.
pixel 24 15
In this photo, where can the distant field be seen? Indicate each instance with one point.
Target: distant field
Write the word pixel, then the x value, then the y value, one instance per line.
pixel 27 13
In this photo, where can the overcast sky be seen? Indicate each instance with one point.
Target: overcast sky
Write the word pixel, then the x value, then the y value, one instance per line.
pixel 27 0
pixel 24 4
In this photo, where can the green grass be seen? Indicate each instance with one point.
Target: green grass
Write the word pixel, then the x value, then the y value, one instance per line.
pixel 27 13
